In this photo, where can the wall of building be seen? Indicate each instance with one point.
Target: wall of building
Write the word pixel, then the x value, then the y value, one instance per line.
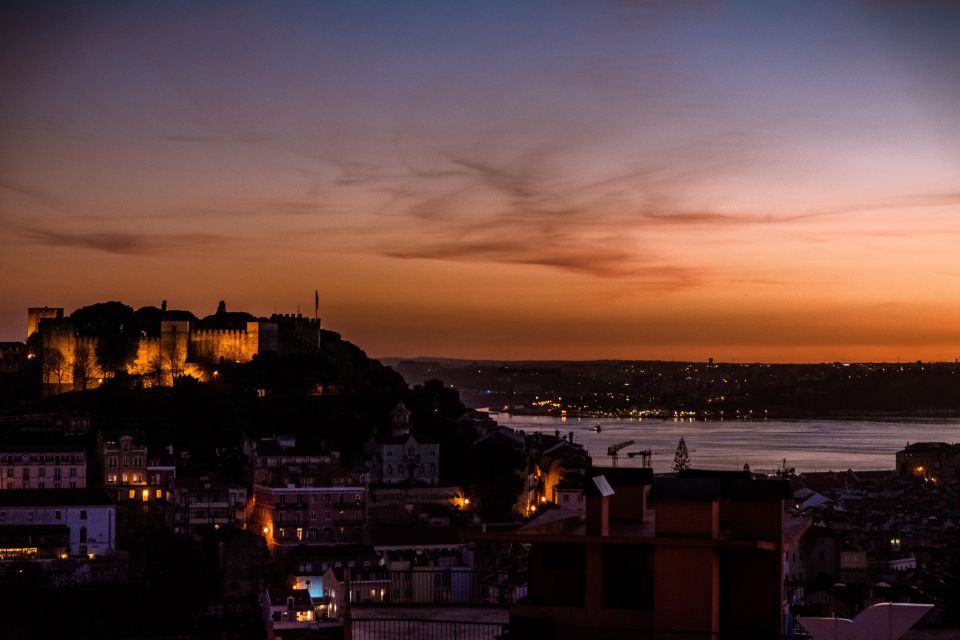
pixel 322 514
pixel 397 461
pixel 42 470
pixel 99 521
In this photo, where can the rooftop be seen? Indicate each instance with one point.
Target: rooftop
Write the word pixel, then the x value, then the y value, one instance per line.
pixel 41 447
pixel 407 536
pixel 54 498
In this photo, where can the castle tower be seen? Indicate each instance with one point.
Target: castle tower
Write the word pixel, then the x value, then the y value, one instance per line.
pixel 36 314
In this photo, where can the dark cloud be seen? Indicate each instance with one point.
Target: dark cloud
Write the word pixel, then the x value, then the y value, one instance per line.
pixel 120 243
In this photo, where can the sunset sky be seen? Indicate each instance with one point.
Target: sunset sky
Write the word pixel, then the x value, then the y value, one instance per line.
pixel 766 180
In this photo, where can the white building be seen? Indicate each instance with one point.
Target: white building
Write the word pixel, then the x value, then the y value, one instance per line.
pixel 89 514
pixel 62 466
pixel 406 459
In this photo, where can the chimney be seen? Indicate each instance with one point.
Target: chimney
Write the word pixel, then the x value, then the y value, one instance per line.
pixel 598 492
pixel 163 306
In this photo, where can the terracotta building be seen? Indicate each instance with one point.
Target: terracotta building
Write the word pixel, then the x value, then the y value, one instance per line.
pixel 292 515
pixel 707 560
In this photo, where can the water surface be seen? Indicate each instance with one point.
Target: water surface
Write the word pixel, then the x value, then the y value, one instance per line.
pixel 808 445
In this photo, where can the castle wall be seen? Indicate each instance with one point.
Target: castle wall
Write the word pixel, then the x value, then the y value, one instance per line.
pixel 179 350
pixel 59 346
pixel 148 355
pixel 223 344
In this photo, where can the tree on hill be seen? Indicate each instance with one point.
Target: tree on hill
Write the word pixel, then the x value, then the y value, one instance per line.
pixel 681 457
pixel 54 366
pixel 84 366
pixel 224 319
pixel 117 330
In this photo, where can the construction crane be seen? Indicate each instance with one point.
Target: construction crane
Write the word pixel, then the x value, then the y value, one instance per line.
pixel 614 450
pixel 647 454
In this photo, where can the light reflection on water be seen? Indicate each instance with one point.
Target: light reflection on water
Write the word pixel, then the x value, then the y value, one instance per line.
pixel 808 445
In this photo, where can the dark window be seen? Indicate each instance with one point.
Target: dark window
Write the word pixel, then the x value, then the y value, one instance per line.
pixel 83 515
pixel 627 576
pixel 558 575
pixel 83 534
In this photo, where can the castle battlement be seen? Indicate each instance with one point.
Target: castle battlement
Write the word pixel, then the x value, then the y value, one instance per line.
pixel 202 333
pixel 297 317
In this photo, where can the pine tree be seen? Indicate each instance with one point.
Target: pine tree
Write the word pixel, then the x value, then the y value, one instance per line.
pixel 681 457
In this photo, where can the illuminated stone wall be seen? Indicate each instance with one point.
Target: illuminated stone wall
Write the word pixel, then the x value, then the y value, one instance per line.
pixel 225 344
pixel 70 360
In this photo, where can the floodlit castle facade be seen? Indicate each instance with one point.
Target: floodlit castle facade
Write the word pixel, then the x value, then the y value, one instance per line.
pixel 69 360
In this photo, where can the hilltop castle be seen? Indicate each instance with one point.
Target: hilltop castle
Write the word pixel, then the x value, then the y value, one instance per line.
pixel 181 348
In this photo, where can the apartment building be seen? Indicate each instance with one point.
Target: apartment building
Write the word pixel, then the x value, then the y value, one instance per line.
pixel 43 466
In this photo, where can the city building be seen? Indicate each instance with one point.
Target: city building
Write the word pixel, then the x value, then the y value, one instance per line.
pixel 12 356
pixel 287 611
pixel 710 556
pixel 202 503
pixel 933 461
pixel 404 458
pixel 276 459
pixel 323 572
pixel 88 515
pixel 292 515
pixel 43 466
pixel 124 461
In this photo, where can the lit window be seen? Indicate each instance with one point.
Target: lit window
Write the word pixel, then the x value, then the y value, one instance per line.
pixel 133 493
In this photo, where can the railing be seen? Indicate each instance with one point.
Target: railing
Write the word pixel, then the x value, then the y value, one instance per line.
pixel 431 629
pixel 445 587
pixel 423 629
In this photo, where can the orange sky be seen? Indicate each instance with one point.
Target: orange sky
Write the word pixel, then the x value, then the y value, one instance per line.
pixel 628 180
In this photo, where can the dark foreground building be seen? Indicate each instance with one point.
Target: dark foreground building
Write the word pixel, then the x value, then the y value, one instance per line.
pixel 707 560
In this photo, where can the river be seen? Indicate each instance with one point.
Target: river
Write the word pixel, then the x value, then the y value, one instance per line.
pixel 807 445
